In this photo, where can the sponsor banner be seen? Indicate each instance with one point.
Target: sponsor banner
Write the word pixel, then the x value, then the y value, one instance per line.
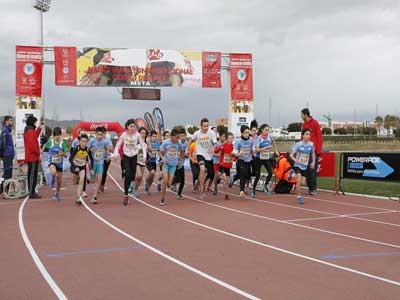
pixel 211 69
pixel 326 166
pixel 65 65
pixel 371 166
pixel 137 68
pixel 241 77
pixel 241 113
pixel 28 71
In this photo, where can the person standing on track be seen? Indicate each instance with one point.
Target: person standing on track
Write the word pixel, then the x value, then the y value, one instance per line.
pixel 32 153
pixel 80 158
pixel 226 159
pixel 205 140
pixel 129 140
pixel 170 151
pixel 7 151
pixel 243 150
pixel 263 145
pixel 317 139
pixel 303 155
pixel 57 150
pixel 141 161
pixel 151 165
pixel 100 147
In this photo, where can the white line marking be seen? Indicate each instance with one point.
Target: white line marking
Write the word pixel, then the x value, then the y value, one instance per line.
pixel 344 216
pixel 264 244
pixel 19 202
pixel 170 258
pixel 50 281
pixel 344 203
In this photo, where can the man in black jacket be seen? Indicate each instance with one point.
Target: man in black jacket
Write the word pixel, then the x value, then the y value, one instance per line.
pixel 7 152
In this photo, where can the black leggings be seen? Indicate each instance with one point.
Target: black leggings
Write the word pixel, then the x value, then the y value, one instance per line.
pixel 180 177
pixel 33 168
pixel 104 177
pixel 258 163
pixel 210 169
pixel 244 169
pixel 130 164
pixel 195 171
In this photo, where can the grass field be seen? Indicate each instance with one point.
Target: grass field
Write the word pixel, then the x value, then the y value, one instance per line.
pixel 376 188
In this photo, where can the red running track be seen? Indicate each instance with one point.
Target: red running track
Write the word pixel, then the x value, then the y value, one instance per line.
pixel 332 247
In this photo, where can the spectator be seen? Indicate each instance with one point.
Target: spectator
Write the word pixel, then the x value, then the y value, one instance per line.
pixel 316 137
pixel 32 153
pixel 7 152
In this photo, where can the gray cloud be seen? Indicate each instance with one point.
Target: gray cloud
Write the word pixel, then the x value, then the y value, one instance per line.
pixel 337 55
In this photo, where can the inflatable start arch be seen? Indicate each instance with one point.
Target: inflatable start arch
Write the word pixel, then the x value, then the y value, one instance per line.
pixel 91 126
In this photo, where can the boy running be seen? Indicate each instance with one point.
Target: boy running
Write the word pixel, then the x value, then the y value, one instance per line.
pixel 301 154
pixel 100 147
pixel 170 151
pixel 57 151
pixel 217 161
pixel 166 136
pixel 151 164
pixel 180 170
pixel 194 166
pixel 80 158
pixel 226 160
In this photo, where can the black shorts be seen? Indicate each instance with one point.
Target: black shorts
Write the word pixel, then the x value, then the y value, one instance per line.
pixel 58 169
pixel 202 161
pixel 300 171
pixel 226 171
pixel 73 169
pixel 151 166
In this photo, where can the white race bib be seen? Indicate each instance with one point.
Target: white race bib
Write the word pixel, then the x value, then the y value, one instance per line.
pixel 56 159
pixel 79 161
pixel 99 154
pixel 304 158
pixel 264 155
pixel 228 159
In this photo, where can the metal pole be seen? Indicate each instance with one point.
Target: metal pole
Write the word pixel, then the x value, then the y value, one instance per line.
pixel 42 44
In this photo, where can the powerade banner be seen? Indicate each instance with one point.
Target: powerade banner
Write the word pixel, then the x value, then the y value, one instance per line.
pixel 102 67
pixel 372 166
pixel 28 71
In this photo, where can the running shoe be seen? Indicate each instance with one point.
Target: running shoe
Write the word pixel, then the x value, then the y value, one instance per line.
pixel 35 196
pixel 312 192
pixel 242 194
pixel 56 197
pixel 135 194
pixel 78 200
pixel 94 200
pixel 131 188
pixel 267 193
pixel 254 194
pixel 215 193
pixel 179 197
pixel 159 187
pixel 209 189
pixel 125 201
pixel 162 202
pixel 299 200
pixel 84 194
pixel 226 197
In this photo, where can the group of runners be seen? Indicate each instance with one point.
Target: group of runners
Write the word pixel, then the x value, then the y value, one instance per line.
pixel 212 155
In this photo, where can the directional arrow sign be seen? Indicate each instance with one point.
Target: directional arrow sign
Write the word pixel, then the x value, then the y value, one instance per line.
pixel 382 169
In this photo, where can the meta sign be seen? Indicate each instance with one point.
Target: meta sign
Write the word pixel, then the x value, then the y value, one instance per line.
pixel 372 166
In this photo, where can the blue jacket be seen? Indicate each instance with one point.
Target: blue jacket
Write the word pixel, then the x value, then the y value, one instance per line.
pixel 6 142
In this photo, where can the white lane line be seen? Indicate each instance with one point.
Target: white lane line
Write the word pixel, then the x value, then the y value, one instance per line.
pixel 344 216
pixel 170 258
pixel 264 244
pixel 50 281
pixel 19 202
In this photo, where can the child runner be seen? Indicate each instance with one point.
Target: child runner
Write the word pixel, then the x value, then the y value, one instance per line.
pixel 79 158
pixel 170 151
pixel 141 160
pixel 216 161
pixel 243 150
pixel 151 165
pixel 57 151
pixel 263 145
pixel 180 170
pixel 130 140
pixel 100 147
pixel 107 163
pixel 226 160
pixel 166 136
pixel 74 144
pixel 194 166
pixel 301 153
pixel 205 140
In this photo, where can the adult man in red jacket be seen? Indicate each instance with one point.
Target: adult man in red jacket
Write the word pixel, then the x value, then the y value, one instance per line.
pixel 316 138
pixel 32 153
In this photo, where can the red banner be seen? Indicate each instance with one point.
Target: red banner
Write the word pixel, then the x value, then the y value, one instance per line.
pixel 211 69
pixel 326 164
pixel 65 63
pixel 28 71
pixel 241 77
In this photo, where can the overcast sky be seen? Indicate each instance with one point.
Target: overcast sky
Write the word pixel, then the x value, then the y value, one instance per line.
pixel 336 55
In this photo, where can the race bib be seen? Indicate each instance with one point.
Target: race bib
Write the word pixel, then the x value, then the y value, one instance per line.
pixel 79 161
pixel 99 154
pixel 130 143
pixel 173 153
pixel 244 151
pixel 264 155
pixel 153 154
pixel 204 141
pixel 56 159
pixel 228 159
pixel 304 158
